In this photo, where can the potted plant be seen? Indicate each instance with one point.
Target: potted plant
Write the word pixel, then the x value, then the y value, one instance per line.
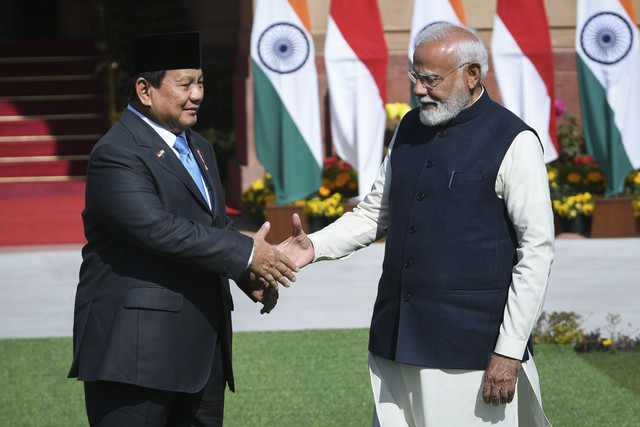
pixel 575 212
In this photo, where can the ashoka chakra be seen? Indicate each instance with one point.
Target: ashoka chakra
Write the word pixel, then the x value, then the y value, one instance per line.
pixel 283 48
pixel 606 38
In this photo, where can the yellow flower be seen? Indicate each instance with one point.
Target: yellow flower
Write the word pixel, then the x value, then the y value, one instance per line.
pixel 551 175
pixel 396 110
pixel 587 209
pixel 403 109
pixel 392 111
pixel 257 195
pixel 258 185
pixel 330 211
pixel 607 342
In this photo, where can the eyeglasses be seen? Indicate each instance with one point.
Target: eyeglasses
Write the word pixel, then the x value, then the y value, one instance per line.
pixel 430 81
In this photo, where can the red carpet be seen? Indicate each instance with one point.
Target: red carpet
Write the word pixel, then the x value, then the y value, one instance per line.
pixel 41 213
pixel 44 213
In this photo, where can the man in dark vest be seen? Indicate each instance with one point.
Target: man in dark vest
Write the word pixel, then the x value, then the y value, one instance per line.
pixel 469 246
pixel 152 322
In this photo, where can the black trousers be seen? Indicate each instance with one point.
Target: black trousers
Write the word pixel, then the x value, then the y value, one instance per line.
pixel 111 404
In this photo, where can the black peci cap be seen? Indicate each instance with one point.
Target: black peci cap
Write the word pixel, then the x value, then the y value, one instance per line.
pixel 159 52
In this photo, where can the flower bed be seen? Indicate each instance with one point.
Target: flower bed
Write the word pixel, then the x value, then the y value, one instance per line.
pixel 577 185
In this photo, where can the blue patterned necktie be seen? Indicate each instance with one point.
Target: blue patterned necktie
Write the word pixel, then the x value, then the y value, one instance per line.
pixel 186 157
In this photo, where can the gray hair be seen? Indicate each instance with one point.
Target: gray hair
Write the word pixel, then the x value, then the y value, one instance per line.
pixel 470 49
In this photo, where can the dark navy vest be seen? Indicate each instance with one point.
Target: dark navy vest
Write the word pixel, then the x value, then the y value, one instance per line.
pixel 450 245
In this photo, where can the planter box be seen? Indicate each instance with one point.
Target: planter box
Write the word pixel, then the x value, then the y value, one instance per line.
pixel 280 218
pixel 613 217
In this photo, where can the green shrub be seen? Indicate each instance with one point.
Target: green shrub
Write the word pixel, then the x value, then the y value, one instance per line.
pixel 558 328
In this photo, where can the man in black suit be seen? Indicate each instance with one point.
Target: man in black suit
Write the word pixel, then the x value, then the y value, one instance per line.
pixel 152 327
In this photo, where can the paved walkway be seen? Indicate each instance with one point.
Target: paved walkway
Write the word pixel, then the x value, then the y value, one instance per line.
pixel 592 277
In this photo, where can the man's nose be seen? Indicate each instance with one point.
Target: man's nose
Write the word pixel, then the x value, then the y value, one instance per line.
pixel 197 93
pixel 419 89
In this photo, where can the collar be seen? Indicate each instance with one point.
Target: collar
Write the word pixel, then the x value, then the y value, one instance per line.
pixel 471 111
pixel 167 136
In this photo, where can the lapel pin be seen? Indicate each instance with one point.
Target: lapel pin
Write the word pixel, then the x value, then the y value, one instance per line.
pixel 160 153
pixel 205 165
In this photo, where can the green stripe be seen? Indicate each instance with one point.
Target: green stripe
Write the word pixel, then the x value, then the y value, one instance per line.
pixel 601 135
pixel 280 146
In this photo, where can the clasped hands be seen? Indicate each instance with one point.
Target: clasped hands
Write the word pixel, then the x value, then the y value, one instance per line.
pixel 272 265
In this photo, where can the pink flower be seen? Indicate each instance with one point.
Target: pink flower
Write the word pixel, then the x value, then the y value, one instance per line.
pixel 330 161
pixel 560 107
pixel 585 160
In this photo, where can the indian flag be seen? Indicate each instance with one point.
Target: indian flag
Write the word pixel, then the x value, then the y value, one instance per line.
pixel 356 59
pixel 608 62
pixel 523 64
pixel 286 102
pixel 426 12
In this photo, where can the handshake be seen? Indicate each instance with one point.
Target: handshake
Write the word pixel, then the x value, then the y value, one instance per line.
pixel 272 265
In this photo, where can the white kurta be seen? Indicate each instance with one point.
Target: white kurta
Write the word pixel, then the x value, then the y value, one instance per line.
pixel 523 185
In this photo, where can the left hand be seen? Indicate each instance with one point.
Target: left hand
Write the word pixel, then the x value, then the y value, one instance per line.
pixel 500 380
pixel 261 291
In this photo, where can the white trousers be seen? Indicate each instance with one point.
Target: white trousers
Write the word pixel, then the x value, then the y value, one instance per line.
pixel 412 396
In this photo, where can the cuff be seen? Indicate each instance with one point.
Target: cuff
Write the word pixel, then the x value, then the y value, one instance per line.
pixel 510 347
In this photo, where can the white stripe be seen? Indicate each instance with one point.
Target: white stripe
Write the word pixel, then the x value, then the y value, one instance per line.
pixel 426 12
pixel 358 117
pixel 522 89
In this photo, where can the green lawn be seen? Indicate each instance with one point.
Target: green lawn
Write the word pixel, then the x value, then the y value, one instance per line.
pixel 314 378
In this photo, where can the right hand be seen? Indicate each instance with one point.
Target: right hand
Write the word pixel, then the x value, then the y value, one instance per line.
pixel 298 247
pixel 270 264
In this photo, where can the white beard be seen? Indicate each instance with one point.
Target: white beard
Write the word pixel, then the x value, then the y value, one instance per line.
pixel 446 109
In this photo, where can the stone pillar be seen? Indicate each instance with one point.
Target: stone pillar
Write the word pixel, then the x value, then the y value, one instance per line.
pixel 244 167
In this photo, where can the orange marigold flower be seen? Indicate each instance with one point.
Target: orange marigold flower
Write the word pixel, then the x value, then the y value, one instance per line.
pixel 574 177
pixel 595 176
pixel 324 191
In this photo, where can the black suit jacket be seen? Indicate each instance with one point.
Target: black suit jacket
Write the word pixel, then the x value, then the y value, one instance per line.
pixel 153 295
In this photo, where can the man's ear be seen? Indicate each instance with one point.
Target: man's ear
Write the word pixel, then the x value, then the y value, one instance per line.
pixel 473 75
pixel 143 87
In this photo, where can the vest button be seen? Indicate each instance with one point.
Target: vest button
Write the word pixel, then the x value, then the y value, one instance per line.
pixel 406 297
pixel 408 263
pixel 412 230
pixel 420 196
pixel 429 163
